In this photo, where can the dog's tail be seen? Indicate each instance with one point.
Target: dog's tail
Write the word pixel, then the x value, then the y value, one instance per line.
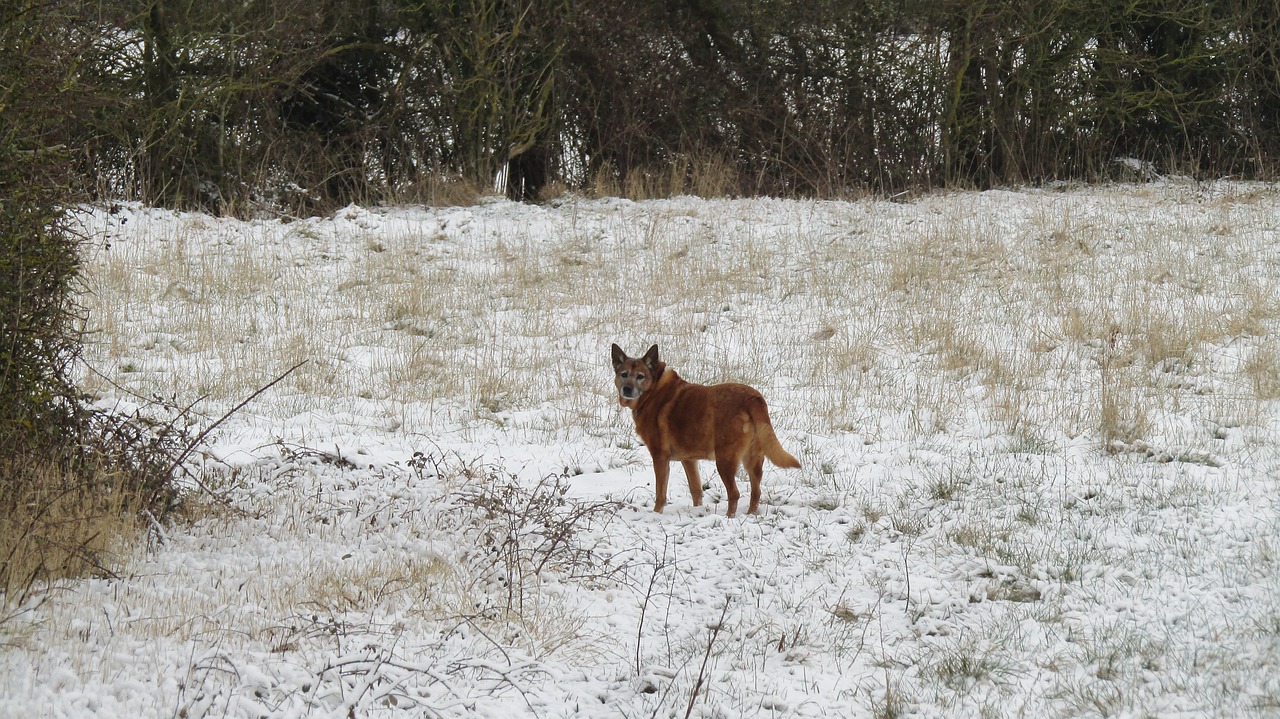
pixel 767 440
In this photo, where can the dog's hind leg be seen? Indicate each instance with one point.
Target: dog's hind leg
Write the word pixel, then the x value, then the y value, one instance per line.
pixel 695 482
pixel 755 471
pixel 727 469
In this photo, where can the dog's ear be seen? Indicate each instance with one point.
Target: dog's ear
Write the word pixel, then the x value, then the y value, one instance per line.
pixel 651 358
pixel 618 356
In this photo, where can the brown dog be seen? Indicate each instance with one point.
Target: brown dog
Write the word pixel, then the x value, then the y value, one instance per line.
pixel 728 423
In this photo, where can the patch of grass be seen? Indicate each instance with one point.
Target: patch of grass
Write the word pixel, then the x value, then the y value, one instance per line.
pixel 1114 658
pixel 1027 514
pixel 448 191
pixel 1122 411
pixel 704 175
pixel 844 613
pixel 966 666
pixel 872 512
pixel 1254 312
pixel 971 535
pixel 826 503
pixel 59 521
pixel 1172 343
pixel 856 532
pixel 946 489
pixel 1262 368
pixel 893 703
pixel 71 511
pixel 908 524
pixel 351 584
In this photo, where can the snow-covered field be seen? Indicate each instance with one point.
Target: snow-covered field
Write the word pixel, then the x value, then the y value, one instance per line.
pixel 1039 430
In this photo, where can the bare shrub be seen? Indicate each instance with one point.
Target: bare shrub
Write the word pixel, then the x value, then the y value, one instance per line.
pixel 525 531
pixel 66 511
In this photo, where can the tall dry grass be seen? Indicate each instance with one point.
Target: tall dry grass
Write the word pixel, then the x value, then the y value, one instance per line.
pixel 1056 315
pixel 62 521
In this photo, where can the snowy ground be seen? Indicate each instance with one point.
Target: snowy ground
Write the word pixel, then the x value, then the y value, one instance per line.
pixel 1039 432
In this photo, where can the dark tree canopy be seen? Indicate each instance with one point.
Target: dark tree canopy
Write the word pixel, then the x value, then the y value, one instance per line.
pixel 297 106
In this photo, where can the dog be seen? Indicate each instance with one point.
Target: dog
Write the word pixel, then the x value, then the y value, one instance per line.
pixel 727 423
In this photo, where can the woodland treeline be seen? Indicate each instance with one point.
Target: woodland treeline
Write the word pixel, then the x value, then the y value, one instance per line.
pixel 233 105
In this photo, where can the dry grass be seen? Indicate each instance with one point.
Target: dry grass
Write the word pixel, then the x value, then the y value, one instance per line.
pixel 703 175
pixel 1262 368
pixel 441 191
pixel 351 585
pixel 1088 315
pixel 55 524
pixel 883 313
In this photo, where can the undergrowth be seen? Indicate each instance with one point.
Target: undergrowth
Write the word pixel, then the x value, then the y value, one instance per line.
pixel 74 479
pixel 526 532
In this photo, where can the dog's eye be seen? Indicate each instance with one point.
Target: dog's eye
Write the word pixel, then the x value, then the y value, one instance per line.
pixel 639 377
pixel 623 374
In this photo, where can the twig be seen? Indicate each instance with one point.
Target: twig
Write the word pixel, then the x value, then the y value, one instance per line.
pixel 161 537
pixel 658 566
pixel 711 640
pixel 906 567
pixel 371 676
pixel 186 452
pixel 470 620
pixel 504 673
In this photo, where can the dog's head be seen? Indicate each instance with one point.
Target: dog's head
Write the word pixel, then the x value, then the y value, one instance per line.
pixel 634 376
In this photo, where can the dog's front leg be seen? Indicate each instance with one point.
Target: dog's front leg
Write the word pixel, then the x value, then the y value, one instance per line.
pixel 695 481
pixel 661 468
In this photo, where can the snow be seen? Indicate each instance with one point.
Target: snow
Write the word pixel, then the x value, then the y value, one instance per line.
pixel 1040 462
